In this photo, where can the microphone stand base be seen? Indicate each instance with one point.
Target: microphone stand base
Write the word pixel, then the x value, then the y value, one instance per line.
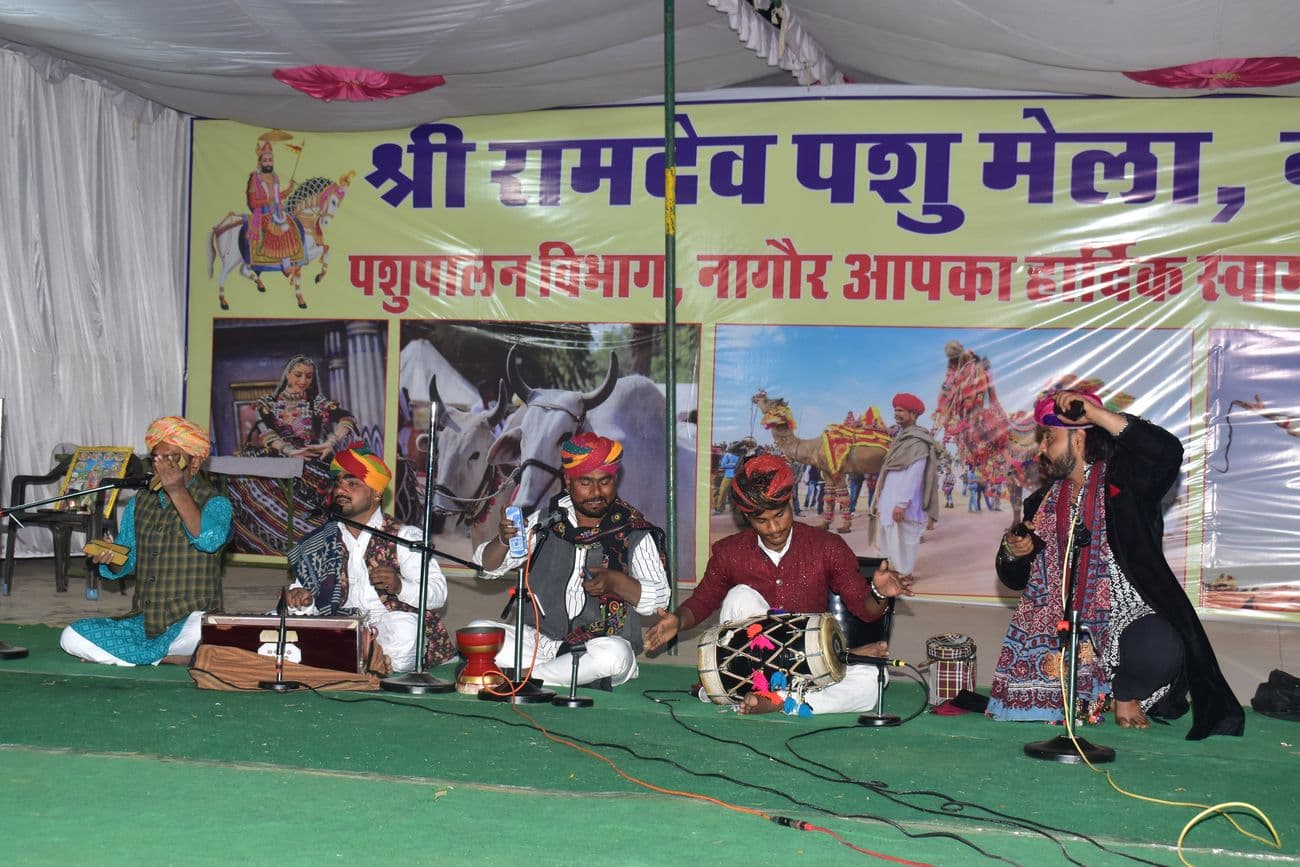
pixel 279 685
pixel 9 651
pixel 878 720
pixel 572 701
pixel 417 683
pixel 516 692
pixel 1062 749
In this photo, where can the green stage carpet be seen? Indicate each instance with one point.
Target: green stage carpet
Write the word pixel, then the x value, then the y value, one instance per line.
pixel 115 766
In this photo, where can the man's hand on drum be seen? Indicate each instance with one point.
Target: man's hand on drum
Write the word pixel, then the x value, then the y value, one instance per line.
pixel 663 631
pixel 889 583
pixel 875 649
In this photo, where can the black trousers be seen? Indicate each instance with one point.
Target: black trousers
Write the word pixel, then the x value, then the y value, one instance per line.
pixel 1150 656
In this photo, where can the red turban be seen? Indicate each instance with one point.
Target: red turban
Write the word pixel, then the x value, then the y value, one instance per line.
pixel 590 453
pixel 763 482
pixel 909 402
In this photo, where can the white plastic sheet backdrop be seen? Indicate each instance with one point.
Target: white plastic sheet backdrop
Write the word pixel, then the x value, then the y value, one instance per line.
pixel 91 269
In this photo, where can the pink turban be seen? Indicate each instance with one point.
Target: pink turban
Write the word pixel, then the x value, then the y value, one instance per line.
pixel 1045 412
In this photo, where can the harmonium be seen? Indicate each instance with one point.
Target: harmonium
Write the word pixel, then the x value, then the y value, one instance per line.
pixel 336 643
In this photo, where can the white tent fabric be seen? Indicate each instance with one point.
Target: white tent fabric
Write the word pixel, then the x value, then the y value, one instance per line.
pixel 91 270
pixel 215 58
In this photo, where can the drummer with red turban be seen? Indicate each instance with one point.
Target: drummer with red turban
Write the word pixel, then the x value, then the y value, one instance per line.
pixel 596 566
pixel 780 563
pixel 173 534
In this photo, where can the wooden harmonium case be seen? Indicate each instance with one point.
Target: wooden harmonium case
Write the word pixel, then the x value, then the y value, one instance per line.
pixel 336 643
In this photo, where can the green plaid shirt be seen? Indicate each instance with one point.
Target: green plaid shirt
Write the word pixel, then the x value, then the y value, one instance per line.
pixel 174 576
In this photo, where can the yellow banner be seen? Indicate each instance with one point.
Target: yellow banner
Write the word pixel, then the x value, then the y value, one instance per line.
pixel 830 255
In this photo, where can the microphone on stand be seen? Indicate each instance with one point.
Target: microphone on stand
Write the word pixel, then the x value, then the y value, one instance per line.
pixel 280 684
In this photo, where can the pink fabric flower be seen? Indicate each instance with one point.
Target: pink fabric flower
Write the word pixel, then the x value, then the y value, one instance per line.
pixel 1224 72
pixel 353 84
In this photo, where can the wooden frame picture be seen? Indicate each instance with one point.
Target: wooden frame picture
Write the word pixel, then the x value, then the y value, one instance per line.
pixel 89 467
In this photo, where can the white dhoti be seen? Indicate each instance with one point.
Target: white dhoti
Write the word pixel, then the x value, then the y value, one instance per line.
pixel 899 543
pixel 858 692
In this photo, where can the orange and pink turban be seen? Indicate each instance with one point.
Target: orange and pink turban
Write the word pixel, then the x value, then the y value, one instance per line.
pixel 179 432
pixel 763 482
pixel 365 465
pixel 590 453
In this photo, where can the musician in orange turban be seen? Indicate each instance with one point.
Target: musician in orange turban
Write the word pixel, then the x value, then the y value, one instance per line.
pixel 778 562
pixel 186 524
pixel 356 566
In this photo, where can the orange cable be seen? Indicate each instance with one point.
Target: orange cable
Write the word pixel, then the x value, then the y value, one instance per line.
pixel 696 796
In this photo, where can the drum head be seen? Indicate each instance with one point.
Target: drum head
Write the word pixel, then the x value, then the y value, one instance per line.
pixel 828 666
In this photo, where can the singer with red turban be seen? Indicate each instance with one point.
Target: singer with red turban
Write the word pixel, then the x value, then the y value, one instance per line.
pixel 596 567
pixel 1105 475
pixel 174 534
pixel 778 562
pixel 342 569
pixel 907 493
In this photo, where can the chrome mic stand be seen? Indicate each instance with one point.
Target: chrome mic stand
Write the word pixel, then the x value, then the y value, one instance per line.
pixel 418 682
pixel 1069 748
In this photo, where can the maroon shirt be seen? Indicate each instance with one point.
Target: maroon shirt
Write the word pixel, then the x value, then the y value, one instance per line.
pixel 816 563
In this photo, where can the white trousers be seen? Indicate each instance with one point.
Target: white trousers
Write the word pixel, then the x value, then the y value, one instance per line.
pixel 78 645
pixel 858 692
pixel 396 632
pixel 899 543
pixel 608 656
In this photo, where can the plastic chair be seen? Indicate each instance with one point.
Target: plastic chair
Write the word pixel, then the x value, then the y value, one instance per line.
pixel 61 525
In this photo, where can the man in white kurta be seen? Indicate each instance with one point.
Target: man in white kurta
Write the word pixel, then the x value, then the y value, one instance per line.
pixel 907 495
pixel 379 579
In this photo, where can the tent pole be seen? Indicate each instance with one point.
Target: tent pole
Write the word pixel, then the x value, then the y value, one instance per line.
pixel 670 286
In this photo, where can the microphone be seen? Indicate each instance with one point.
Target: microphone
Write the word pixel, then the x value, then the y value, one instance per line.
pixel 882 662
pixel 322 510
pixel 505 612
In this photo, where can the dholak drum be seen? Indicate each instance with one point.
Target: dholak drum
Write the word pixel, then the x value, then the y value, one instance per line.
pixel 804 647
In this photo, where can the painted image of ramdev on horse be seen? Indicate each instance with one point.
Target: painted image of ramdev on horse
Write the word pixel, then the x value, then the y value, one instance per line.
pixel 283 231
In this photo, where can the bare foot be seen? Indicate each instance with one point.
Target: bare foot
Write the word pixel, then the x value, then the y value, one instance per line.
pixel 1129 715
pixel 757 704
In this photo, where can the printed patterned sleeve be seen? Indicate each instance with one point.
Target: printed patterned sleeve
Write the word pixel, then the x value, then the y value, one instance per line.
pixel 648 570
pixel 125 536
pixel 215 527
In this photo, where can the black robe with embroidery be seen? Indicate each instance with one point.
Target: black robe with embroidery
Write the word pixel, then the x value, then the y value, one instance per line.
pixel 1144 467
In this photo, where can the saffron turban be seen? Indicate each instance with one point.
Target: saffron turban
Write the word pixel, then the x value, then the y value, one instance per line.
pixel 1045 412
pixel 763 482
pixel 909 402
pixel 590 453
pixel 179 432
pixel 365 465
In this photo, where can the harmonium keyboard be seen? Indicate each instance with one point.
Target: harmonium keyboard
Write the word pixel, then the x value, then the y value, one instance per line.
pixel 336 643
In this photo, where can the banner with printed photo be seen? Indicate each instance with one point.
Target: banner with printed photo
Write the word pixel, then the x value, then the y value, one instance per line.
pixel 829 254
